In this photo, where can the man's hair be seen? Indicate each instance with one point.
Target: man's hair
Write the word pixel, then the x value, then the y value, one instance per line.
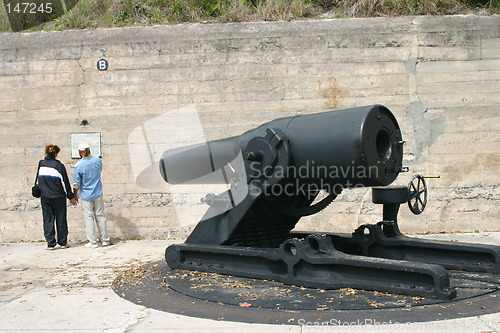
pixel 51 150
pixel 87 152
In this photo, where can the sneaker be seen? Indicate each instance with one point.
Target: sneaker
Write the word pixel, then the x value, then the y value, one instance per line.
pixel 65 246
pixel 91 245
pixel 106 243
pixel 50 248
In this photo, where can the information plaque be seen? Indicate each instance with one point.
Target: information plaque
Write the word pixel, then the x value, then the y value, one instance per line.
pixel 92 139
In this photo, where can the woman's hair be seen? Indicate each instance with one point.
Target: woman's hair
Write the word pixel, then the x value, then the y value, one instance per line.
pixel 52 151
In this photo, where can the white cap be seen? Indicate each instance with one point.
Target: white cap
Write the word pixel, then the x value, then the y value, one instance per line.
pixel 83 146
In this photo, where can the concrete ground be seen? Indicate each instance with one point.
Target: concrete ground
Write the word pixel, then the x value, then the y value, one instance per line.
pixel 70 290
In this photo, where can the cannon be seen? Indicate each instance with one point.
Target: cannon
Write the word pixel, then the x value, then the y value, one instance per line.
pixel 278 172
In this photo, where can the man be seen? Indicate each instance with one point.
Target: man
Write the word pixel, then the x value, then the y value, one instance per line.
pixel 87 181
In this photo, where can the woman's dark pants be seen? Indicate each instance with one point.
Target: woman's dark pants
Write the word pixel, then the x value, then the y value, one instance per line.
pixel 54 209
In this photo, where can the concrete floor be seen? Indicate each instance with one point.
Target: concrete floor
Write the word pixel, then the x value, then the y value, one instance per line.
pixel 70 290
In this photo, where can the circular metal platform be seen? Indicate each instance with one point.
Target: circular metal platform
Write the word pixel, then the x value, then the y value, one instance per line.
pixel 222 297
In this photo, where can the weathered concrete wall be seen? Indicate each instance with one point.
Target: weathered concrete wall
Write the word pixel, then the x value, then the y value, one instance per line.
pixel 439 75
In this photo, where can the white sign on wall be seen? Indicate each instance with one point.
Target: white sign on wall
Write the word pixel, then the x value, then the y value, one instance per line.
pixel 92 139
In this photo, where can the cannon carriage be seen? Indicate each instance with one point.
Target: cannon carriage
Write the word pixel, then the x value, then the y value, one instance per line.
pixel 276 173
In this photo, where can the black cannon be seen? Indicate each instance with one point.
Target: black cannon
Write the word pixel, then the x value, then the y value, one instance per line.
pixel 276 173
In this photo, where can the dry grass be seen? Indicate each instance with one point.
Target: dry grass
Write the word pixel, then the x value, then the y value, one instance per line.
pixel 116 13
pixel 367 8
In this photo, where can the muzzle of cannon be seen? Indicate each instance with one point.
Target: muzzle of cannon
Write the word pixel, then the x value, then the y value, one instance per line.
pixel 276 173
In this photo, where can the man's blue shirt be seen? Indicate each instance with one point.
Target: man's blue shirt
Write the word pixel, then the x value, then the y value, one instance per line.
pixel 87 178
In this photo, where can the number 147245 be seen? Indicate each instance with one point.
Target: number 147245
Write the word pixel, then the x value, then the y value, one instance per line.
pixel 29 8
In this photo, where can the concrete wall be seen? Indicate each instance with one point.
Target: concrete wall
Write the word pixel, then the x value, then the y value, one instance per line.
pixel 439 75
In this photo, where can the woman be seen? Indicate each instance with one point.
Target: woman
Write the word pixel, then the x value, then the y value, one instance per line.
pixel 54 189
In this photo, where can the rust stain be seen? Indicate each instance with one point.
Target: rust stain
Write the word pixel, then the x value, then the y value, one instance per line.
pixel 332 94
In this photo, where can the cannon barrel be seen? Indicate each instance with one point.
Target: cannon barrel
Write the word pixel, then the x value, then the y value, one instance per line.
pixel 350 147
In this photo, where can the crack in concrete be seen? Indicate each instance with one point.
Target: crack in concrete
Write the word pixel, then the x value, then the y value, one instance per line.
pixel 136 320
pixel 82 82
pixel 426 130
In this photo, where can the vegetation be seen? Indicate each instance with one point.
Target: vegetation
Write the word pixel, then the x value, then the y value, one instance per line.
pixel 118 13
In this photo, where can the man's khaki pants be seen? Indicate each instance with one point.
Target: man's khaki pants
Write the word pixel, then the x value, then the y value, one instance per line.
pixel 94 210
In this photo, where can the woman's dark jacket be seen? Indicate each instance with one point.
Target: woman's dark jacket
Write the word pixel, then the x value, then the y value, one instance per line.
pixel 53 180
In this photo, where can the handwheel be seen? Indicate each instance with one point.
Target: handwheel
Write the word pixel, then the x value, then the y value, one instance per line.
pixel 417 194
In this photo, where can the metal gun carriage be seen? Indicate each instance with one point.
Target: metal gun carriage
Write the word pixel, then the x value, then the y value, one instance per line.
pixel 276 173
